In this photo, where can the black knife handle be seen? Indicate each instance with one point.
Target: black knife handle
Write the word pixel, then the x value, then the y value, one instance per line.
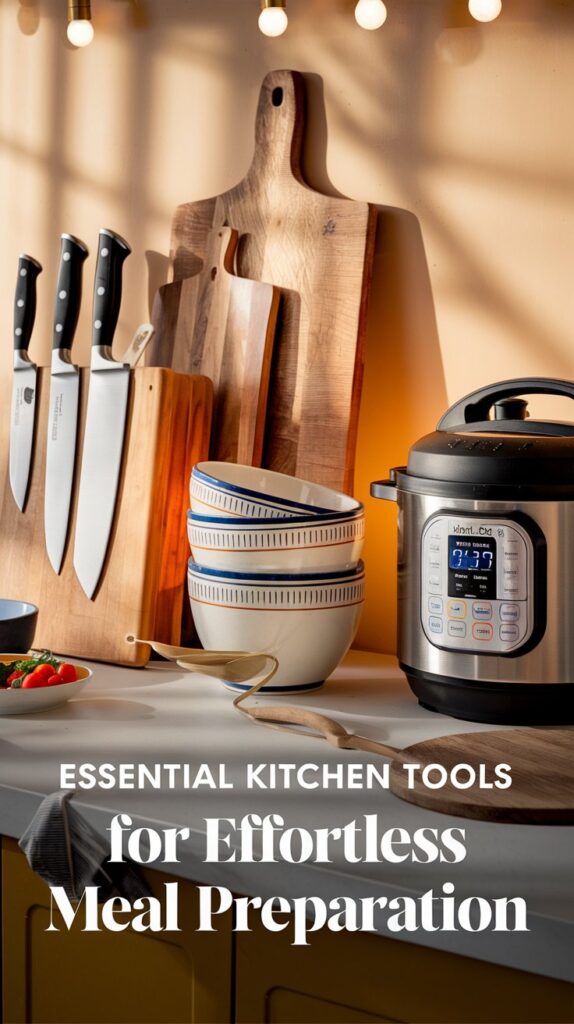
pixel 112 251
pixel 73 252
pixel 25 301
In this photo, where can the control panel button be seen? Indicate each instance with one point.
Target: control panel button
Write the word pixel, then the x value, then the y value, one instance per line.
pixel 482 631
pixel 456 628
pixel 457 609
pixel 434 546
pixel 482 610
pixel 509 613
pixel 434 580
pixel 435 624
pixel 435 605
pixel 509 632
pixel 434 564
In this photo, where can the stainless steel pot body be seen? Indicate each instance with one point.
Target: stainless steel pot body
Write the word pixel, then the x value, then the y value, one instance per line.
pixel 549 656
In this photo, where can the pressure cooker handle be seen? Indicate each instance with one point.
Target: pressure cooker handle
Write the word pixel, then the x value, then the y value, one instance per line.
pixel 474 408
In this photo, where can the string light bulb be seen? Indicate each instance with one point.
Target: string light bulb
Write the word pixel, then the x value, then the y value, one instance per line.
pixel 80 30
pixel 273 18
pixel 370 14
pixel 485 10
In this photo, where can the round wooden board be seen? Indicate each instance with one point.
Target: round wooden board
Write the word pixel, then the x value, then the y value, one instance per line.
pixel 542 763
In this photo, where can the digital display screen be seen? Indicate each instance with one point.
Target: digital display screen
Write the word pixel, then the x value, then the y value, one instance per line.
pixel 471 566
pixel 467 555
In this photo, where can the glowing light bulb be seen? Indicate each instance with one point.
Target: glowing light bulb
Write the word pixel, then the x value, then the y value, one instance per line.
pixel 80 32
pixel 370 14
pixel 485 10
pixel 273 21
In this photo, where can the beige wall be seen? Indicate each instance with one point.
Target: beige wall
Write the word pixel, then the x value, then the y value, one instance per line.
pixel 468 127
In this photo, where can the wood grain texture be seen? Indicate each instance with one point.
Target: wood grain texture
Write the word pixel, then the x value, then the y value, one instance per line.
pixel 319 251
pixel 542 762
pixel 143 580
pixel 222 326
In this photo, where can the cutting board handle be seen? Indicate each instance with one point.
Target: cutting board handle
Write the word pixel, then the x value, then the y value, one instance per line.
pixel 279 125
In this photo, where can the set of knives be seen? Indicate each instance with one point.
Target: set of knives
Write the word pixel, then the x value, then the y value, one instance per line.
pixel 107 405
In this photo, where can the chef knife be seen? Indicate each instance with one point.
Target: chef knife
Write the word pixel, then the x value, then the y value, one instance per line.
pixel 105 419
pixel 24 383
pixel 64 397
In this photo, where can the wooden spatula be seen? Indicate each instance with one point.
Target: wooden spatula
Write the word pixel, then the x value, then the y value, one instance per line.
pixel 540 760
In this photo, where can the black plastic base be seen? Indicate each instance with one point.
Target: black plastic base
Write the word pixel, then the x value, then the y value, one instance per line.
pixel 498 703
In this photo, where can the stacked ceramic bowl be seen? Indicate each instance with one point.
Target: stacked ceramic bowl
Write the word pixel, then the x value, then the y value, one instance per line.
pixel 275 567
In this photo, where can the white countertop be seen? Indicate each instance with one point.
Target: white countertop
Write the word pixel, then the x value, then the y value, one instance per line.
pixel 161 714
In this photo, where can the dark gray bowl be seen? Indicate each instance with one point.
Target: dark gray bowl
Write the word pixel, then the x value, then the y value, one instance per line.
pixel 17 626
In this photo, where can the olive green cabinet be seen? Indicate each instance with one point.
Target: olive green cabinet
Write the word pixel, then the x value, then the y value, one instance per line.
pixel 67 977
pixel 250 977
pixel 362 977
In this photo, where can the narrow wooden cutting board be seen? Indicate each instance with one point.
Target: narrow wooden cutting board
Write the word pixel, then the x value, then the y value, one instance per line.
pixel 222 326
pixel 143 581
pixel 542 763
pixel 318 250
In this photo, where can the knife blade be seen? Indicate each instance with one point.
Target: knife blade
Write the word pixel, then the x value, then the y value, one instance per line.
pixel 105 418
pixel 64 399
pixel 24 382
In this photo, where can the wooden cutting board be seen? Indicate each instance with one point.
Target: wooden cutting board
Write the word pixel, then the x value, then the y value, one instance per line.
pixel 143 581
pixel 542 762
pixel 319 251
pixel 222 326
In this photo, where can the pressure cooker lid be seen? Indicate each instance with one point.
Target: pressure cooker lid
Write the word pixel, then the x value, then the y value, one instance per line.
pixel 487 438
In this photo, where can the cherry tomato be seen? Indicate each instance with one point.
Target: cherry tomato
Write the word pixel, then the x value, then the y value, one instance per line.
pixel 34 680
pixel 67 673
pixel 14 675
pixel 43 671
pixel 54 680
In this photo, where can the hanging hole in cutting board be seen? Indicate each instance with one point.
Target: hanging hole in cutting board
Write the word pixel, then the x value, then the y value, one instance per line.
pixel 277 96
pixel 213 273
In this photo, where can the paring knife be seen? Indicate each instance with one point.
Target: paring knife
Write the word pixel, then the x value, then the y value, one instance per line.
pixel 105 419
pixel 64 398
pixel 24 383
pixel 137 346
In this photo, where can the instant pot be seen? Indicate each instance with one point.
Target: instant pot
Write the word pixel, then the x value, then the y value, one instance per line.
pixel 486 559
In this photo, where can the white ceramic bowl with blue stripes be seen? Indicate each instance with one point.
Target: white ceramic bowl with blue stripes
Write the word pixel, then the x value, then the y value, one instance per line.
pixel 300 544
pixel 230 490
pixel 308 621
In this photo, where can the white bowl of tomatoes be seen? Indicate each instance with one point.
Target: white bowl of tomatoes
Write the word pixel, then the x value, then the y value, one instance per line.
pixel 31 682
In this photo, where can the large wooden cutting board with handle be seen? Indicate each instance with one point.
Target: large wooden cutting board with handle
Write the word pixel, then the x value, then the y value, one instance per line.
pixel 143 582
pixel 318 250
pixel 222 326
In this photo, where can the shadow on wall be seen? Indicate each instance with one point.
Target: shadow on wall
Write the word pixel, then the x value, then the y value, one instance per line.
pixel 404 390
pixel 404 393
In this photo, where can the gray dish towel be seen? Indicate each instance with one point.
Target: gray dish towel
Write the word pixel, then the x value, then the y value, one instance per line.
pixel 64 849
